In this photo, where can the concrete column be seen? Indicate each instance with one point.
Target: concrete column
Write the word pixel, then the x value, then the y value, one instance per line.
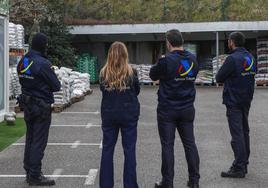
pixel 217 49
pixel 7 64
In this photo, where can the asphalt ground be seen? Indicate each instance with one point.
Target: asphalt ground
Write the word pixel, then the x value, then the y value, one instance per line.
pixel 73 154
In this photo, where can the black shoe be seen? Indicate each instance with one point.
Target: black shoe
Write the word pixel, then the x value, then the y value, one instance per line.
pixel 246 169
pixel 233 173
pixel 40 181
pixel 192 184
pixel 161 184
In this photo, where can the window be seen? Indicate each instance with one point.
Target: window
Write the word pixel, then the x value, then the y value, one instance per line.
pixel 2 64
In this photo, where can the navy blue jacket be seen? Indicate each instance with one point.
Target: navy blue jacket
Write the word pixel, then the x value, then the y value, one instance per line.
pixel 37 78
pixel 238 75
pixel 177 73
pixel 124 101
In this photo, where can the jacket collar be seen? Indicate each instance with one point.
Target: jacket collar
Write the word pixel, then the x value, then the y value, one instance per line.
pixel 239 49
pixel 181 52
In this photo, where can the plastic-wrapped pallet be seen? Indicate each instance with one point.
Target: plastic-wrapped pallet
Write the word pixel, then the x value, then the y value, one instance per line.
pixel 217 65
pixel 88 64
pixel 262 49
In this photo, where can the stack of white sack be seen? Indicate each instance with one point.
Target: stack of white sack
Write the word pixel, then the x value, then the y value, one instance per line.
pixel 204 77
pixel 16 36
pixel 143 72
pixel 62 97
pixel 73 84
pixel 11 89
pixel 13 42
pixel 81 83
pixel 262 49
pixel 261 79
pixel 20 36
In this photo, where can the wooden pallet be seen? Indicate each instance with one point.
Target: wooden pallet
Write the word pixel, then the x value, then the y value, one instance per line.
pixel 156 83
pixel 262 85
pixel 146 83
pixel 58 108
pixel 18 109
pixel 77 99
pixel 89 92
pixel 12 98
pixel 149 84
pixel 204 84
pixel 219 85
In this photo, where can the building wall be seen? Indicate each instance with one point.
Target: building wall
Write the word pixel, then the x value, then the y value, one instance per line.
pixel 140 52
pixel 99 50
pixel 144 53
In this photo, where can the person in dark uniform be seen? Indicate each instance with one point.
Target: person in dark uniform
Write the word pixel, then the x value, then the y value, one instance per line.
pixel 176 95
pixel 238 75
pixel 38 82
pixel 120 110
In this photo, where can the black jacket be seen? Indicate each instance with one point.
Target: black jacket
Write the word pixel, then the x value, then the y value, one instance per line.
pixel 37 78
pixel 238 75
pixel 177 73
pixel 124 101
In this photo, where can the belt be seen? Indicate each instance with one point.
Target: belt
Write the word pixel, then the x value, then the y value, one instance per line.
pixel 29 100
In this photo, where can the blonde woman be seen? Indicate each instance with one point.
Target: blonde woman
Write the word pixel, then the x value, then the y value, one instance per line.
pixel 120 110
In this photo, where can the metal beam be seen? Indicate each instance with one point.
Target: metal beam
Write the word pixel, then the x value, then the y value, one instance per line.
pixel 162 28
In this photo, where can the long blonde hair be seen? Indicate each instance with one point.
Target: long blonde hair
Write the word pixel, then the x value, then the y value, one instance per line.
pixel 117 71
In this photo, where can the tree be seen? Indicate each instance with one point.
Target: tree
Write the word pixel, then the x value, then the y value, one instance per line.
pixel 46 16
pixel 168 10
pixel 248 10
pixel 4 7
pixel 60 51
pixel 207 10
pixel 29 13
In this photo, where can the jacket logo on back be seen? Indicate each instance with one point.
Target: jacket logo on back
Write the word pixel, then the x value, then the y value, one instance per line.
pixel 24 68
pixel 185 70
pixel 248 66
